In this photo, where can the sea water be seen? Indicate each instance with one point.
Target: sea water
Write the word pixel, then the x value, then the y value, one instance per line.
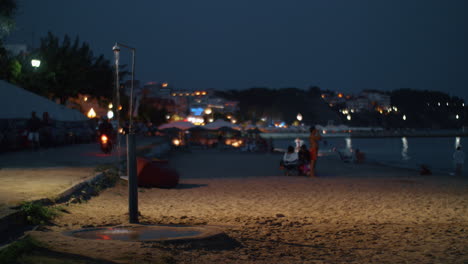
pixel 405 152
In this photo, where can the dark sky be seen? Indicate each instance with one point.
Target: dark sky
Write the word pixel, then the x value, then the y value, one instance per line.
pixel 342 45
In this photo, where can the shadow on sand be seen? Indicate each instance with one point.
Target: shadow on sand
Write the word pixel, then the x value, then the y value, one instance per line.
pixel 189 186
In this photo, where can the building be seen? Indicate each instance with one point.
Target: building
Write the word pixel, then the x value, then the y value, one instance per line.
pixel 157 90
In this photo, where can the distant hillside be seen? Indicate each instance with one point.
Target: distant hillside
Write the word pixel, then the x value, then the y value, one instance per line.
pixel 282 104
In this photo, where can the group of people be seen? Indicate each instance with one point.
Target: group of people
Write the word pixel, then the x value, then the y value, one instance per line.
pixel 36 126
pixel 300 158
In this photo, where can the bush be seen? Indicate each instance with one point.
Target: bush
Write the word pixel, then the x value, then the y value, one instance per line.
pixel 37 214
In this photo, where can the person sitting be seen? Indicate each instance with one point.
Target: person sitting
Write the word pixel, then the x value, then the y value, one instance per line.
pixel 290 160
pixel 360 156
pixel 304 160
pixel 346 155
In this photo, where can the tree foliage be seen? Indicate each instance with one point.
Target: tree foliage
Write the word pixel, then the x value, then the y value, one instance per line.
pixel 282 104
pixel 68 68
pixel 7 12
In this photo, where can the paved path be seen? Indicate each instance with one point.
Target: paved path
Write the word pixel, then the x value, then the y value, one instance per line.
pixel 32 175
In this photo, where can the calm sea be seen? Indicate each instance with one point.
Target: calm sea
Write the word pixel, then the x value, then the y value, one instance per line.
pixel 406 152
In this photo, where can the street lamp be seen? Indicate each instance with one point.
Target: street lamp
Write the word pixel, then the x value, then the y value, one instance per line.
pixel 348 117
pixel 404 117
pixel 299 117
pixel 131 148
pixel 35 63
pixel 208 111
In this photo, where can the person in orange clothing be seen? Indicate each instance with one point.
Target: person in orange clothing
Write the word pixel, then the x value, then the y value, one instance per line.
pixel 314 138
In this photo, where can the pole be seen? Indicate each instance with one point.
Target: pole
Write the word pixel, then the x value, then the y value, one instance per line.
pixel 116 102
pixel 131 151
pixel 131 156
pixel 132 180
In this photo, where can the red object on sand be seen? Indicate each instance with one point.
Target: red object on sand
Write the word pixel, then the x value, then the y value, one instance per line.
pixel 156 174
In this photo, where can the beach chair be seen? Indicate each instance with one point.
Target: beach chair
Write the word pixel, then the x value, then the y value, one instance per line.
pixel 345 156
pixel 290 168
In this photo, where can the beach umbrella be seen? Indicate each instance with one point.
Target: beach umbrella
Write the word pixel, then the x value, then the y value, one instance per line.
pixel 197 128
pixel 170 130
pixel 182 125
pixel 220 124
pixel 254 130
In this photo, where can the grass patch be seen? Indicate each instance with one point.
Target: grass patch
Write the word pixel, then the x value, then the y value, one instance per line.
pixel 38 214
pixel 30 251
pixel 24 246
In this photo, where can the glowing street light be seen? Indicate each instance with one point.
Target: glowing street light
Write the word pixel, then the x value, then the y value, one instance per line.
pixel 91 113
pixel 35 63
pixel 110 114
pixel 208 111
pixel 457 117
pixel 348 117
pixel 404 117
pixel 299 117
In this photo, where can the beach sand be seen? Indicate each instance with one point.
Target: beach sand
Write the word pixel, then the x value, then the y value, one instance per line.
pixel 350 214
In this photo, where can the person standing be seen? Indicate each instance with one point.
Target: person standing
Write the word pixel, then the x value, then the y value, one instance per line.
pixel 314 138
pixel 459 159
pixel 46 130
pixel 34 125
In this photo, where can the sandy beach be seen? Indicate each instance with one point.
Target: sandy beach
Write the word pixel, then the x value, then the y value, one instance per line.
pixel 352 213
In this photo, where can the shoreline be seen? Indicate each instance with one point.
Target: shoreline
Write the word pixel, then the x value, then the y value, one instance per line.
pixel 287 135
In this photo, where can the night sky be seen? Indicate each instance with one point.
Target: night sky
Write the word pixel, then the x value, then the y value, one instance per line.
pixel 341 45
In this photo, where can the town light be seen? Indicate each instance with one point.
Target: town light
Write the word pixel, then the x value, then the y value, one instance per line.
pixel 110 114
pixel 35 63
pixel 111 105
pixel 299 117
pixel 404 117
pixel 457 117
pixel 348 117
pixel 91 113
pixel 208 111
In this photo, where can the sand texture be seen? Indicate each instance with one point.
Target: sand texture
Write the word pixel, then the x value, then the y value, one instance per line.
pixel 351 214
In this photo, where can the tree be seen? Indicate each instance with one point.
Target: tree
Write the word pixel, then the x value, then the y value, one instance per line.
pixel 7 12
pixel 7 23
pixel 68 68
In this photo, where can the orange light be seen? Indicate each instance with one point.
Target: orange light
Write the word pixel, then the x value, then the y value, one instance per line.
pixel 323 96
pixel 120 107
pixel 197 93
pixel 104 139
pixel 164 85
pixel 340 95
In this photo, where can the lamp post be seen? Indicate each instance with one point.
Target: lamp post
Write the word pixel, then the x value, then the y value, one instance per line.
pixel 35 63
pixel 131 145
pixel 299 117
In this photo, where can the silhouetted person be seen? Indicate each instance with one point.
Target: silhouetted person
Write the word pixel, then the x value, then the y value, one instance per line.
pixel 459 159
pixel 314 137
pixel 46 130
pixel 34 125
pixel 106 128
pixel 304 159
pixel 360 156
